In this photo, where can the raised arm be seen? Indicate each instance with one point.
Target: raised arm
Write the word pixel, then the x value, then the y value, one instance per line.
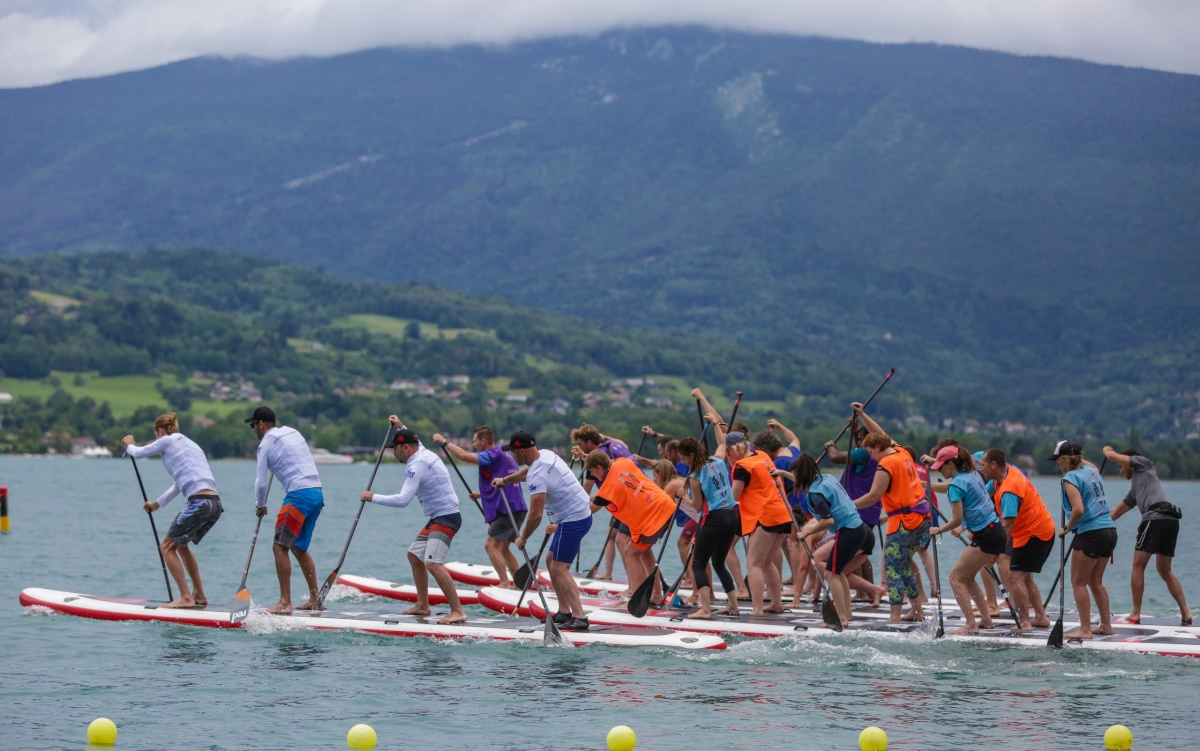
pixel 718 434
pixel 705 405
pixel 791 438
pixel 461 454
pixel 866 420
pixel 1121 459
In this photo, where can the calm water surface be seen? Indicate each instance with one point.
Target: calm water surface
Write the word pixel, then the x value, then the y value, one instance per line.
pixel 77 525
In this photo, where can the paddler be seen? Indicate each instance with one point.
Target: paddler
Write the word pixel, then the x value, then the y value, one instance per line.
pixel 188 467
pixel 1085 502
pixel 765 517
pixel 832 509
pixel 640 505
pixel 283 452
pixel 553 489
pixel 710 493
pixel 972 508
pixel 493 462
pixel 426 479
pixel 1030 531
pixel 1156 534
pixel 588 438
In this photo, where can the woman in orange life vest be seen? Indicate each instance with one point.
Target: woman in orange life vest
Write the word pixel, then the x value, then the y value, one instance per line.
pixel 765 517
pixel 897 485
pixel 640 504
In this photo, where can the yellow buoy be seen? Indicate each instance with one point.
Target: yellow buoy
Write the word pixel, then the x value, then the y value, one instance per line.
pixel 621 738
pixel 1118 738
pixel 102 732
pixel 872 739
pixel 361 736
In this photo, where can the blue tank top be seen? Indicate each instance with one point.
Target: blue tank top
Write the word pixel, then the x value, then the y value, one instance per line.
pixel 1095 502
pixel 714 483
pixel 829 500
pixel 978 510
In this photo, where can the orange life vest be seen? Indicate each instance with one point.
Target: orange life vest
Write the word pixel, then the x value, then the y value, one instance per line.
pixel 634 499
pixel 762 501
pixel 1033 520
pixel 904 491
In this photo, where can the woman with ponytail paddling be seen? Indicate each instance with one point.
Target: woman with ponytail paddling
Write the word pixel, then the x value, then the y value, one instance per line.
pixel 709 492
pixel 1084 501
pixel 188 467
pixel 971 508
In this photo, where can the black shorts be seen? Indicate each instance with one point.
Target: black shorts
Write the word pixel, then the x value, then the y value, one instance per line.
pixel 645 541
pixel 1099 543
pixel 1029 557
pixel 992 539
pixel 869 545
pixel 778 529
pixel 502 529
pixel 1157 537
pixel 847 544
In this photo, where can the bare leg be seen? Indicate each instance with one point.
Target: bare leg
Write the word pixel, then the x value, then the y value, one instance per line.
pixel 1163 564
pixel 309 569
pixel 495 550
pixel 610 553
pixel 1040 618
pixel 283 570
pixel 962 582
pixel 1081 574
pixel 1137 582
pixel 989 588
pixel 926 554
pixel 733 564
pixel 839 591
pixel 169 549
pixel 565 588
pixel 193 569
pixel 1016 588
pixel 1100 592
pixel 446 584
pixel 916 572
pixel 421 580
pixel 704 612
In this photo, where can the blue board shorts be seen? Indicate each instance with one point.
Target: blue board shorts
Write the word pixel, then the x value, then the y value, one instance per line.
pixel 564 546
pixel 297 517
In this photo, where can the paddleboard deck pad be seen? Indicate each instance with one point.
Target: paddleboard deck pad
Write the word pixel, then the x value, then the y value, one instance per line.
pixel 390 624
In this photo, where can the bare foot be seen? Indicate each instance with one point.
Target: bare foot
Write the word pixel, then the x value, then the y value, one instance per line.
pixel 1044 623
pixel 311 605
pixel 415 610
pixel 702 615
pixel 604 577
pixel 774 609
pixel 506 585
pixel 1105 631
pixel 201 603
pixel 729 611
pixel 1133 618
pixel 185 603
pixel 743 594
pixel 913 616
pixel 455 616
pixel 969 629
pixel 987 623
pixel 1078 634
pixel 280 608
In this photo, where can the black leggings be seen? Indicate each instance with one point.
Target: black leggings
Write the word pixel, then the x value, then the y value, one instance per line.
pixel 712 545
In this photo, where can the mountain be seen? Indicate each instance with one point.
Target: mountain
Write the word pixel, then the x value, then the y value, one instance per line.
pixel 1004 229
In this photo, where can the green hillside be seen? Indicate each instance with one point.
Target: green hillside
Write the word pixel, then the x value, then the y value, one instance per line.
pixel 1007 230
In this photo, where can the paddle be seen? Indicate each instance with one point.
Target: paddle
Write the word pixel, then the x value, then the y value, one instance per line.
pixel 463 480
pixel 670 591
pixel 522 578
pixel 866 404
pixel 991 571
pixel 828 611
pixel 329 580
pixel 154 529
pixel 241 601
pixel 1062 564
pixel 551 634
pixel 1056 634
pixel 639 603
pixel 937 574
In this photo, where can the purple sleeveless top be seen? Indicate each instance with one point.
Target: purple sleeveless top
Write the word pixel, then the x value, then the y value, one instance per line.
pixel 858 484
pixel 490 498
pixel 615 449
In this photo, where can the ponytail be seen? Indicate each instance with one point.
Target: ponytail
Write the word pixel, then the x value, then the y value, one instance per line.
pixel 168 422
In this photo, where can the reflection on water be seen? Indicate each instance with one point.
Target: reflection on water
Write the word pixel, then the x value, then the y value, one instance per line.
pixel 296 656
pixel 181 648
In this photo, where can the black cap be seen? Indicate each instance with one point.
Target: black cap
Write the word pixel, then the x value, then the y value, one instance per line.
pixel 520 440
pixel 1066 448
pixel 403 436
pixel 266 414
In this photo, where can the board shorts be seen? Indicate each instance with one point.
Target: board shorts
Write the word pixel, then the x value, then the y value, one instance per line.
pixel 502 529
pixel 689 529
pixel 847 544
pixel 645 541
pixel 564 546
pixel 1098 543
pixel 201 513
pixel 1158 536
pixel 297 518
pixel 869 545
pixel 991 539
pixel 1029 557
pixel 433 541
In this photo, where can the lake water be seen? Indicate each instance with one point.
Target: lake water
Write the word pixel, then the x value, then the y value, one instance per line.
pixel 77 525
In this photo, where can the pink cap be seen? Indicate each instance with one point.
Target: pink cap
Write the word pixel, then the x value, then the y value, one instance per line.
pixel 946 454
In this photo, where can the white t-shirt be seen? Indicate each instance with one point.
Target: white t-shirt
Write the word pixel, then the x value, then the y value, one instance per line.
pixel 284 453
pixel 566 500
pixel 427 479
pixel 183 460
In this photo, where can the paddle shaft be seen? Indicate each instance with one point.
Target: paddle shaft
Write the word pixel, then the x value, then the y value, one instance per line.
pixel 329 580
pixel 153 529
pixel 1056 633
pixel 463 480
pixel 640 599
pixel 866 404
pixel 254 540
pixel 991 571
pixel 937 573
pixel 532 570
pixel 551 635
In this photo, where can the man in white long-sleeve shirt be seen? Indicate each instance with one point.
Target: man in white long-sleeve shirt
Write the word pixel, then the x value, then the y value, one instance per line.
pixel 427 480
pixel 191 475
pixel 284 453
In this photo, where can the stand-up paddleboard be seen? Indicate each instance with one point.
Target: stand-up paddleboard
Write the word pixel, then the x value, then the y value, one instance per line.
pixel 1163 640
pixel 485 576
pixel 390 624
pixel 404 592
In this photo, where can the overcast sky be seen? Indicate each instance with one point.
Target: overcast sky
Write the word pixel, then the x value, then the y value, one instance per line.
pixel 43 41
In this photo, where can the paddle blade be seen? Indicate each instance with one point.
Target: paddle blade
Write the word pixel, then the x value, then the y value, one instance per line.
pixel 829 615
pixel 639 603
pixel 241 606
pixel 1056 635
pixel 552 637
pixel 522 578
pixel 941 628
pixel 328 585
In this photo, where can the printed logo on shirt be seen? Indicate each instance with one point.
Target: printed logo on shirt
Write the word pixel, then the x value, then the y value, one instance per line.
pixel 534 488
pixel 410 473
